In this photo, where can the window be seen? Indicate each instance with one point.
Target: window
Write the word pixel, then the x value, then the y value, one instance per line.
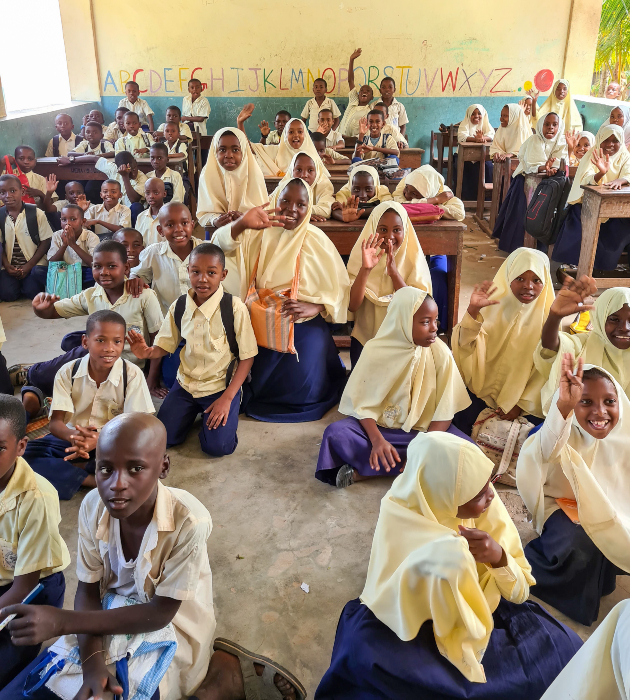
pixel 33 56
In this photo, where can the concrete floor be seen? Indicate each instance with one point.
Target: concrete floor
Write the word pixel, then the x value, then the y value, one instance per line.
pixel 275 525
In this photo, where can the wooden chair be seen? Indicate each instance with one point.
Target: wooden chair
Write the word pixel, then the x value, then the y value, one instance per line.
pixel 446 140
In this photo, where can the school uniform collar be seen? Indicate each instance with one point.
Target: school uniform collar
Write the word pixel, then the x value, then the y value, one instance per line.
pixel 209 307
pixel 116 208
pixel 100 292
pixel 21 481
pixel 72 136
pixel 165 249
pixel 114 376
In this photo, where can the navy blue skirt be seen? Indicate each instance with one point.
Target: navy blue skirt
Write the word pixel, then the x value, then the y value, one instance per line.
pixel 285 390
pixel 510 225
pixel 614 236
pixel 470 179
pixel 527 650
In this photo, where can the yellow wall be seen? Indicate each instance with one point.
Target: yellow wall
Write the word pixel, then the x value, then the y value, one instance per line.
pixel 249 49
pixel 78 36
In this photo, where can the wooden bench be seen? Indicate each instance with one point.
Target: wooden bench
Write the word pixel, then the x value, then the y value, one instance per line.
pixel 88 171
pixel 409 157
pixel 444 140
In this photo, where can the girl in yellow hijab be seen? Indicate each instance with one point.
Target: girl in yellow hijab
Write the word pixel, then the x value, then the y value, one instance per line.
pixel 528 105
pixel 494 343
pixel 515 129
pixel 425 184
pixel 560 102
pixel 573 477
pixel 283 253
pixel 608 164
pixel 386 257
pixel 606 346
pixel 444 611
pixel 474 128
pixel 405 382
pixel 358 197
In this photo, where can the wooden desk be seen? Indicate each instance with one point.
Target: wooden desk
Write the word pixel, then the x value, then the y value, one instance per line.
pixel 446 140
pixel 501 178
pixel 599 203
pixel 338 169
pixel 409 157
pixel 88 171
pixel 474 153
pixel 337 180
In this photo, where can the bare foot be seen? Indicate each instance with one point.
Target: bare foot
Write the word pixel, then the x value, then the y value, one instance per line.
pixel 31 403
pixel 224 680
pixel 89 482
pixel 358 477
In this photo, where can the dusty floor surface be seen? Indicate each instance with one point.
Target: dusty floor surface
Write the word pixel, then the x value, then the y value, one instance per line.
pixel 275 525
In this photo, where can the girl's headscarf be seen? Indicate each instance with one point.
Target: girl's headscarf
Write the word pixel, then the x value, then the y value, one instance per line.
pixel 537 150
pixel 625 109
pixel 430 183
pixel 499 366
pixel 382 191
pixel 467 128
pixel 566 109
pixel 421 568
pixel 322 188
pixel 510 138
pixel 275 160
pixel 531 119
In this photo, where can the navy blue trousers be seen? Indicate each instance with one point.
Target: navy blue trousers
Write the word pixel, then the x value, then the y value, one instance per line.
pixel 464 420
pixel 136 210
pixel 470 179
pixel 14 659
pixel 527 650
pixel 42 374
pixel 11 288
pixel 510 225
pixel 46 458
pixel 179 411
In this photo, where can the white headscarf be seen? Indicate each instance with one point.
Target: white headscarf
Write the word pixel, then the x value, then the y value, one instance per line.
pixel 625 110
pixel 510 138
pixel 467 128
pixel 531 119
pixel 619 163
pixel 566 109
pixel 322 188
pixel 537 150
pixel 430 183
pixel 382 191
pixel 275 160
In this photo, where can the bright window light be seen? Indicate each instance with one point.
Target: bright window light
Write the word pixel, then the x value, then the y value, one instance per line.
pixel 33 56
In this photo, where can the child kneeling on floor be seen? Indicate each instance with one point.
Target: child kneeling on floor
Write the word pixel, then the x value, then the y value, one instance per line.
pixel 217 332
pixel 88 393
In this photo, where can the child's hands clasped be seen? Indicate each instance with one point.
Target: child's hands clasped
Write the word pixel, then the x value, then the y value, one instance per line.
pixel 83 441
pixel 371 252
pixel 219 411
pixel 571 384
pixel 483 548
pixel 300 309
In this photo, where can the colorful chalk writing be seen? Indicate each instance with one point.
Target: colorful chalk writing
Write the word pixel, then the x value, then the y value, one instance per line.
pixel 410 81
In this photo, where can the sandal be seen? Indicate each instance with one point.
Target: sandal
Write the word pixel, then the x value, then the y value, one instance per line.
pixel 345 477
pixel 18 374
pixel 259 687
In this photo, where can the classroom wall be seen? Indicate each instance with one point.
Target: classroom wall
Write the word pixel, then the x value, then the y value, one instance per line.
pixel 442 61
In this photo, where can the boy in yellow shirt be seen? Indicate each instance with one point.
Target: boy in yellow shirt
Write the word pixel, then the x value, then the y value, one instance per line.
pixel 134 103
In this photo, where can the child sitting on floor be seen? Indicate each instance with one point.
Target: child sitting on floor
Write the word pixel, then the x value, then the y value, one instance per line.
pixel 74 243
pixel 405 382
pixel 325 120
pixel 32 548
pixel 372 143
pixel 116 129
pixel 312 108
pixel 75 194
pixel 397 112
pixel 147 222
pixel 135 140
pixel 172 140
pixel 26 237
pixel 208 380
pixel 88 392
pixel 272 137
pixel 328 155
pixel 358 102
pixel 173 116
pixel 65 140
pixel 171 178
pixel 125 171
pixel 386 257
pixel 112 214
pixel 360 195
pixel 134 103
pixel 195 108
pixel 572 475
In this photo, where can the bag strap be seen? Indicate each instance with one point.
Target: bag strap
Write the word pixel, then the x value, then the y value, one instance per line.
pixel 55 141
pixel 227 317
pixel 3 221
pixel 178 313
pixel 295 283
pixel 145 138
pixel 30 211
pixel 510 445
pixel 75 369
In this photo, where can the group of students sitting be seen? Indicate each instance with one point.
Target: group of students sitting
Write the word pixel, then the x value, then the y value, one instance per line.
pixel 242 324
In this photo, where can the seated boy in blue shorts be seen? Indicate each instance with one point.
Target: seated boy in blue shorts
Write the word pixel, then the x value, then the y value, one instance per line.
pixel 31 548
pixel 208 380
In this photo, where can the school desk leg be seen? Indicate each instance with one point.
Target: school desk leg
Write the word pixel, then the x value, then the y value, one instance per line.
pixel 590 232
pixel 460 172
pixel 453 276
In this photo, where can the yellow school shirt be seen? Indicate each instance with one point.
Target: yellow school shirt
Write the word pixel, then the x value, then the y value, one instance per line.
pixel 174 564
pixel 133 143
pixel 335 155
pixel 354 112
pixel 178 147
pixel 87 241
pixel 175 179
pixel 120 215
pixel 388 143
pixel 140 107
pixel 184 129
pixel 199 108
pixel 333 138
pixel 113 133
pixel 312 109
pixel 64 146
pixel 142 314
pixel 29 526
pixel 147 226
pixel 397 112
pixel 273 139
pixel 111 170
pixel 205 358
pixel 103 147
pixel 19 230
pixel 86 404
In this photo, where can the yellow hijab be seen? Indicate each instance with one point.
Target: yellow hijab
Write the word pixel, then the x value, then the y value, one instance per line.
pixel 531 119
pixel 222 190
pixel 467 128
pixel 597 471
pixel 426 180
pixel 594 347
pixel 275 160
pixel 619 163
pixel 420 567
pixel 322 188
pixel 566 109
pixel 399 384
pixel 510 138
pixel 499 366
pixel 382 191
pixel 537 150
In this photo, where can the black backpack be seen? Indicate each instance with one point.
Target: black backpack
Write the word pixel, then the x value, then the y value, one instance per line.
pixel 55 141
pixel 546 210
pixel 227 317
pixel 30 211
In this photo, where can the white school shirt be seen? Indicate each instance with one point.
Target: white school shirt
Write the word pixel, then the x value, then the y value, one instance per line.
pixel 60 204
pixel 38 182
pixel 312 109
pixel 178 147
pixel 333 138
pixel 123 580
pixel 120 215
pixel 19 230
pixel 184 129
pixel 273 139
pixel 175 179
pixel 142 313
pixel 173 562
pixel 111 170
pixel 161 268
pixel 395 132
pixel 147 225
pixel 113 133
pixel 132 143
pixel 64 146
pixel 199 108
pixel 397 112
pixel 349 125
pixel 87 241
pixel 103 147
pixel 85 404
pixel 140 107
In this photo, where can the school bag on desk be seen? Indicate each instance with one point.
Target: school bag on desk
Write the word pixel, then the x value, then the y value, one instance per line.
pixel 64 279
pixel 547 208
pixel 501 441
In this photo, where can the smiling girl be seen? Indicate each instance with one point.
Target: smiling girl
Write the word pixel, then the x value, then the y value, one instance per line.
pixel 560 102
pixel 573 479
pixel 474 128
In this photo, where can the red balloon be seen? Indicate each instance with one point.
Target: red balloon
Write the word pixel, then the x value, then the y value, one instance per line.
pixel 543 80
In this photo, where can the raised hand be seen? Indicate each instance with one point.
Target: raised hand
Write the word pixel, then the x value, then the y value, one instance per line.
pixel 138 345
pixel 572 139
pixel 533 93
pixel 51 183
pixel 600 161
pixel 124 169
pixel 44 301
pixel 483 548
pixel 245 113
pixel 260 218
pixel 355 54
pixel 363 128
pixel 571 384
pixel 371 252
pixel 391 260
pixel 264 128
pixel 350 209
pixel 480 298
pixel 479 137
pixel 83 202
pixel 571 298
